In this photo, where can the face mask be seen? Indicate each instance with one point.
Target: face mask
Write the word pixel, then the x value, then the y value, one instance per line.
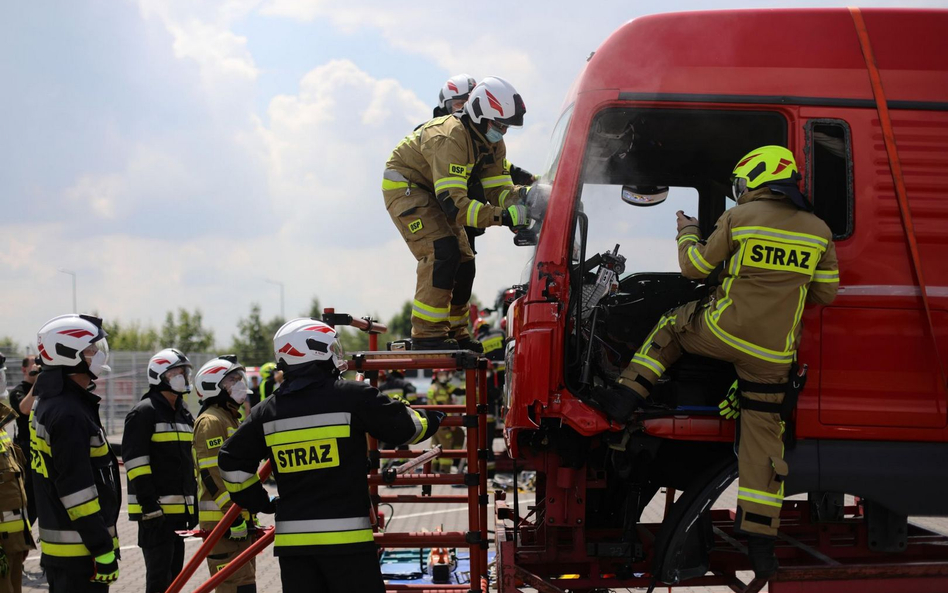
pixel 494 136
pixel 179 384
pixel 97 365
pixel 238 392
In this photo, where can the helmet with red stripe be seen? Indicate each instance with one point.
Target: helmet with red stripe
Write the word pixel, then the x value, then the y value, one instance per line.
pixel 496 100
pixel 164 361
pixel 61 340
pixel 209 378
pixel 457 88
pixel 305 340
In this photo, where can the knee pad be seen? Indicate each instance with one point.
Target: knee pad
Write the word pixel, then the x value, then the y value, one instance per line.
pixel 447 258
pixel 463 283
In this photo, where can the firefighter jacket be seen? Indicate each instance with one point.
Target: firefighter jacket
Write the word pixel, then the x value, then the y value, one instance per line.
pixel 776 258
pixel 14 524
pixel 156 447
pixel 440 394
pixel 76 480
pixel 493 344
pixel 399 388
pixel 440 157
pixel 214 425
pixel 313 431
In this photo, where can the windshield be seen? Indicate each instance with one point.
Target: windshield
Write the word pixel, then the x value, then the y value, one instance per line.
pixel 556 146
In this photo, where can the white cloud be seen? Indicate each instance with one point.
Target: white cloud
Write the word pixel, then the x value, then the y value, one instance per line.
pixel 99 192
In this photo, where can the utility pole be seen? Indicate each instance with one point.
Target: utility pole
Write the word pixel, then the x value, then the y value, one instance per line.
pixel 75 309
pixel 282 301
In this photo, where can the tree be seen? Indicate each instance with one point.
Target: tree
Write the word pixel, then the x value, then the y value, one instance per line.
pixel 9 347
pixel 400 325
pixel 187 333
pixel 132 337
pixel 253 343
pixel 315 310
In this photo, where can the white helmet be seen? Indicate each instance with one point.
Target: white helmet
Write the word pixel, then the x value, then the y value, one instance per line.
pixel 305 340
pixel 208 379
pixel 62 339
pixel 457 88
pixel 495 99
pixel 164 361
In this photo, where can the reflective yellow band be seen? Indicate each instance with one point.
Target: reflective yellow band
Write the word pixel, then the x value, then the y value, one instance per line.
pixel 340 431
pixel 763 232
pixel 234 487
pixel 84 510
pixel 692 238
pixel 168 509
pixel 164 437
pixel 827 276
pixel 139 471
pixel 12 526
pixel 503 197
pixel 223 499
pixel 745 346
pixel 649 363
pixel 429 313
pixel 455 318
pixel 473 210
pixel 497 181
pixel 207 462
pixel 388 184
pixel 421 424
pixel 100 451
pixel 324 539
pixel 698 261
pixel 449 182
pixel 760 497
pixel 70 550
pixel 210 515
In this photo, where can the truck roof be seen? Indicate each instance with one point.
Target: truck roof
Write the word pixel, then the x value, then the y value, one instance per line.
pixel 794 56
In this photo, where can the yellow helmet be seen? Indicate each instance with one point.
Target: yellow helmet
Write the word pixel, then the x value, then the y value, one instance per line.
pixel 266 370
pixel 773 166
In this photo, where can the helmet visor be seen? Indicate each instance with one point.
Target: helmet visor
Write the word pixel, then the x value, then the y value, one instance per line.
pixel 339 356
pixel 738 188
pixel 102 345
pixel 232 378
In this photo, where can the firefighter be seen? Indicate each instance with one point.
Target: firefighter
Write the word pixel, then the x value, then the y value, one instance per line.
pixel 453 96
pixel 777 256
pixel 222 388
pixel 156 446
pixel 267 380
pixel 313 430
pixel 16 541
pixel 76 478
pixel 425 186
pixel 396 386
pixel 443 393
pixel 21 400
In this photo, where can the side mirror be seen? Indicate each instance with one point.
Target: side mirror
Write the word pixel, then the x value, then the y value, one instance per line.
pixel 644 195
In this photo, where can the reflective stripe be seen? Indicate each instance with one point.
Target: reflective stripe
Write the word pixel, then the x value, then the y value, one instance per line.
pixel 473 210
pixel 236 481
pixel 698 261
pixel 169 427
pixel 84 510
pixel 167 499
pixel 503 197
pixel 323 525
pixel 683 238
pixel 456 318
pixel 661 323
pixel 207 462
pixel 340 431
pixel 13 526
pixel 429 313
pixel 796 318
pixel 760 497
pixel 67 544
pixel 139 471
pixel 323 539
pixel 166 432
pixel 826 276
pixel 421 424
pixel 59 536
pixel 496 181
pixel 137 462
pixel 222 499
pixel 787 236
pixel 310 421
pixel 650 363
pixel 745 346
pixel 388 185
pixel 171 504
pixel 450 182
pixel 79 497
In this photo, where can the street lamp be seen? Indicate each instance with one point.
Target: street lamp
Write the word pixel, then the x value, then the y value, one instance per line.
pixel 75 309
pixel 282 308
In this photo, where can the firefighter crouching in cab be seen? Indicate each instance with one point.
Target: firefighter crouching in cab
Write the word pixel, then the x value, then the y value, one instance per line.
pixel 777 256
pixel 444 393
pixel 16 541
pixel 454 94
pixel 313 431
pixel 156 446
pixel 76 478
pixel 222 389
pixel 425 186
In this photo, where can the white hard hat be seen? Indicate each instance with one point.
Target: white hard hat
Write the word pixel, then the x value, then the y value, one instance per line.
pixel 62 339
pixel 165 360
pixel 495 99
pixel 458 87
pixel 305 340
pixel 208 379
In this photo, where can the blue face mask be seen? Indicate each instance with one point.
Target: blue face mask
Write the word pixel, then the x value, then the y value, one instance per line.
pixel 494 136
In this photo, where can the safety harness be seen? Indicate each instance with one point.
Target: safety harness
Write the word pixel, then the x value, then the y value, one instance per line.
pixel 791 390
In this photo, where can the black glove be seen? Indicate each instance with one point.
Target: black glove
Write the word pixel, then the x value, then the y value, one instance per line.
pixel 269 508
pixel 618 402
pixel 238 530
pixel 106 569
pixel 435 416
pixel 515 217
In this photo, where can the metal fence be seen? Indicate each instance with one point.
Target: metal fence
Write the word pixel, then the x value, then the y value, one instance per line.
pixel 121 389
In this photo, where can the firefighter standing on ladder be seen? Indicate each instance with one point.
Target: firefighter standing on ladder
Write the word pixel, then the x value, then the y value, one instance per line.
pixel 313 431
pixel 425 186
pixel 778 257
pixel 156 446
pixel 222 389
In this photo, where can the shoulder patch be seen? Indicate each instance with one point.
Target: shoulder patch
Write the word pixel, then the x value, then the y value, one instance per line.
pixel 458 170
pixel 215 442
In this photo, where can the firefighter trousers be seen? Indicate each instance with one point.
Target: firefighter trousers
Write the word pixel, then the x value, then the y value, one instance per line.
pixel 344 573
pixel 449 438
pixel 445 272
pixel 761 465
pixel 242 581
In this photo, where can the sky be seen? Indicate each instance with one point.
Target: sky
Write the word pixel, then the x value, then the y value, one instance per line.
pixel 175 153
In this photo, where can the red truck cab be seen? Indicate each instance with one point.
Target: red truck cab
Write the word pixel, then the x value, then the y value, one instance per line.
pixel 675 100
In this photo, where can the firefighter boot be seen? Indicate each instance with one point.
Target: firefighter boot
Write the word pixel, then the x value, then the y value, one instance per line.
pixel 471 344
pixel 434 344
pixel 763 559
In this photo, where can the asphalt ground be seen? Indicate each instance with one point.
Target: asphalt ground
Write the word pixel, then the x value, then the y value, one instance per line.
pixel 407 517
